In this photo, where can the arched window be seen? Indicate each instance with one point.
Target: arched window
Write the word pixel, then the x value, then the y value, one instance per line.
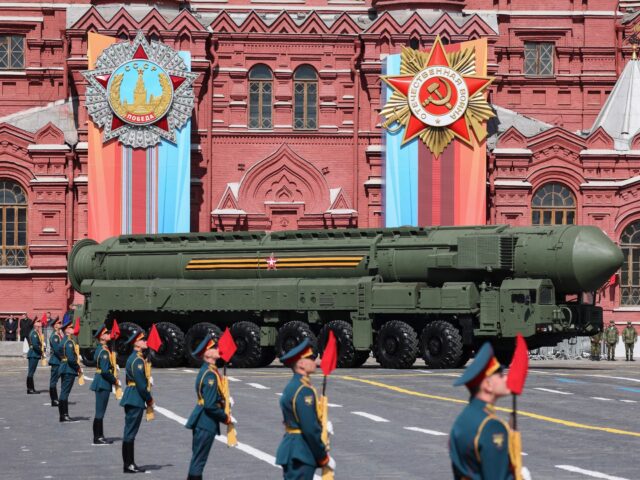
pixel 260 105
pixel 553 204
pixel 13 225
pixel 305 89
pixel 630 273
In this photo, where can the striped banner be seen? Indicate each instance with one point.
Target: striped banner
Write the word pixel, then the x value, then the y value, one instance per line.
pixel 133 190
pixel 421 189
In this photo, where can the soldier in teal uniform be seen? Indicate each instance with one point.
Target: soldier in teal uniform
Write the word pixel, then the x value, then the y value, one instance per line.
pixel 209 411
pixel 69 369
pixel 55 357
pixel 302 449
pixel 137 397
pixel 479 439
pixel 35 354
pixel 102 384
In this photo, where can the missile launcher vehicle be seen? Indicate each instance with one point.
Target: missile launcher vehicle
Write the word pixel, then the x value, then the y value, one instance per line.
pixel 399 293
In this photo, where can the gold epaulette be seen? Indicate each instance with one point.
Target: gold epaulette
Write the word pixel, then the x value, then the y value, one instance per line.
pixel 293 430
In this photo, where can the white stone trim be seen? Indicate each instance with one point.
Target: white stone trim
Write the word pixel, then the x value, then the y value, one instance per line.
pixel 373 181
pixel 228 211
pixel 374 148
pixel 512 151
pixel 49 179
pixel 82 146
pixel 512 183
pixel 9 73
pixel 611 183
pixel 29 271
pixel 596 151
pixel 55 147
pixel 81 179
pixel 547 13
pixel 18 18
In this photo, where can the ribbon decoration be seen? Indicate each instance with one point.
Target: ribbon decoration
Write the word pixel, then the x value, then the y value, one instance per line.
pixel 515 382
pixel 76 347
pixel 328 364
pixel 43 356
pixel 115 333
pixel 154 342
pixel 227 347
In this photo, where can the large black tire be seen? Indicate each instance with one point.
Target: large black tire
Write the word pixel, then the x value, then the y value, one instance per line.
pixel 344 336
pixel 361 358
pixel 267 356
pixel 396 345
pixel 466 355
pixel 171 351
pixel 192 339
pixel 441 345
pixel 87 355
pixel 291 334
pixel 247 338
pixel 123 350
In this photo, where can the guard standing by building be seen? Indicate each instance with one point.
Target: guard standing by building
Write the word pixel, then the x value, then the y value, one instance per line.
pixel 302 449
pixel 69 369
pixel 595 346
pixel 102 384
pixel 137 397
pixel 35 354
pixel 611 336
pixel 55 358
pixel 209 412
pixel 479 439
pixel 629 337
pixel 11 329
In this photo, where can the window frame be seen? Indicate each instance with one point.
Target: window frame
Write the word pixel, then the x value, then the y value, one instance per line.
pixel 16 208
pixel 260 85
pixel 539 68
pixel 565 210
pixel 630 250
pixel 10 49
pixel 305 83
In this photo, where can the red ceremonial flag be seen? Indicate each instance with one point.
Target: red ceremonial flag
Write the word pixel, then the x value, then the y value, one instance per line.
pixel 154 342
pixel 330 355
pixel 227 345
pixel 44 320
pixel 76 328
pixel 115 330
pixel 613 280
pixel 519 367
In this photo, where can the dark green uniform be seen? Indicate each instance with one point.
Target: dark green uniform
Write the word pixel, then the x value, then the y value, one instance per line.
pixel 595 346
pixel 629 337
pixel 611 336
pixel 206 417
pixel 479 445
pixel 103 381
pixel 302 449
pixel 69 370
pixel 35 354
pixel 55 342
pixel 136 396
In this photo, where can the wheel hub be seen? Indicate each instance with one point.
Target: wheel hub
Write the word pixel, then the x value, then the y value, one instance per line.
pixel 390 345
pixel 435 346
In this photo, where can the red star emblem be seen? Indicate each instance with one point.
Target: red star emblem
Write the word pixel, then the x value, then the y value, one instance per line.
pixel 437 97
pixel 271 262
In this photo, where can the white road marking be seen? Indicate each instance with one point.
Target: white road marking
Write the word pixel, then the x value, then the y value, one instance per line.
pixel 334 405
pixel 279 394
pixel 258 386
pixel 188 371
pixel 243 447
pixel 588 473
pixel 617 378
pixel 88 378
pixel 629 401
pixel 234 379
pixel 602 398
pixel 552 391
pixel 48 404
pixel 424 430
pixel 424 371
pixel 375 418
pixel 7 428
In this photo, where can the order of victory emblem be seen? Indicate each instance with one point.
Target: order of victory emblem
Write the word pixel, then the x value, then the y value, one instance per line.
pixel 437 97
pixel 140 92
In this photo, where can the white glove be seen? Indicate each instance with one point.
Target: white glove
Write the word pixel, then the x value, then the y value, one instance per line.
pixel 332 463
pixel 233 420
pixel 231 402
pixel 329 427
pixel 151 380
pixel 526 474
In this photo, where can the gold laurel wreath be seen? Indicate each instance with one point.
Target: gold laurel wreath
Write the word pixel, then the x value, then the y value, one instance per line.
pixel 159 109
pixel 397 111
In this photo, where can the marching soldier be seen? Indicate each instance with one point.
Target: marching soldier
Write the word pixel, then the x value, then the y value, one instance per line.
pixel 137 397
pixel 102 383
pixel 479 439
pixel 35 354
pixel 611 336
pixel 209 412
pixel 629 337
pixel 595 346
pixel 302 449
pixel 55 357
pixel 69 369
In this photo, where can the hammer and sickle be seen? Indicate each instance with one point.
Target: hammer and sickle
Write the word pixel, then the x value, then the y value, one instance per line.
pixel 442 99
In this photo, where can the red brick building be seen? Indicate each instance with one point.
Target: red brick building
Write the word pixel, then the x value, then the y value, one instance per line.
pixel 286 129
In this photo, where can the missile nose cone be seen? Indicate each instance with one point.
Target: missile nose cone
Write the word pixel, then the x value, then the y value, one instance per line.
pixel 595 258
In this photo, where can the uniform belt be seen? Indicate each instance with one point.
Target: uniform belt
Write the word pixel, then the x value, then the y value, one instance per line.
pixel 131 384
pixel 293 430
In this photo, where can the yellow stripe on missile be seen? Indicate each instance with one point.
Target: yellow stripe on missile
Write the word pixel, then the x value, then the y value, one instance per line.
pixel 281 263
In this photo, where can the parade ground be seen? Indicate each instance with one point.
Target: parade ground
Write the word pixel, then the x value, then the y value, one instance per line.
pixel 579 420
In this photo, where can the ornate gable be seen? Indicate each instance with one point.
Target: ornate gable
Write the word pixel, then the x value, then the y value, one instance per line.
pixel 313 25
pixel 512 138
pixel 600 140
pixel 344 25
pixel 49 135
pixel 385 24
pixel 253 24
pixel 223 24
pixel 284 24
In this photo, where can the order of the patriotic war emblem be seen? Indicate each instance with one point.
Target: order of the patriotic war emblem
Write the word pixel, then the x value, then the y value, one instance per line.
pixel 437 97
pixel 140 93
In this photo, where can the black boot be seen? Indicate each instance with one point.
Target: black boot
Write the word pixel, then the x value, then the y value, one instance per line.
pixel 53 393
pixel 194 477
pixel 61 410
pixel 65 412
pixel 30 388
pixel 128 457
pixel 98 434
